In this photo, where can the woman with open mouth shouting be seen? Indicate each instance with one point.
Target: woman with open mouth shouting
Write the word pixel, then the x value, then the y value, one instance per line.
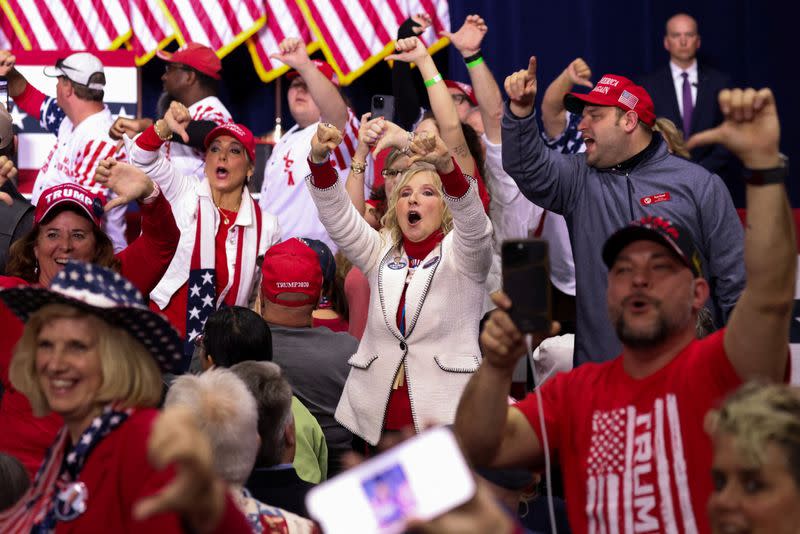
pixel 224 233
pixel 426 270
pixel 67 225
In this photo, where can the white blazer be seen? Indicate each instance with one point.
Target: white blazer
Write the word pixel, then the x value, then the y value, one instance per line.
pixel 443 309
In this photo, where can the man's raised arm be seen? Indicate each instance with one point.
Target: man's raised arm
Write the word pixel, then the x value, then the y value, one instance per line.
pixel 756 340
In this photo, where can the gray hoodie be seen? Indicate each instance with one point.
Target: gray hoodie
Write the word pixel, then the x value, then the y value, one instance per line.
pixel 597 202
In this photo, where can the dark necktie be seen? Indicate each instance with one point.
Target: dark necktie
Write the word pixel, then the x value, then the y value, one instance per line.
pixel 688 107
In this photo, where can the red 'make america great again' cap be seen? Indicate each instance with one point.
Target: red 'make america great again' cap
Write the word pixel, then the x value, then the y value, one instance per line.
pixel 617 91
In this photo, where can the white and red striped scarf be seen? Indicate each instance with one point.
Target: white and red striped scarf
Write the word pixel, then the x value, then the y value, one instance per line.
pixel 202 299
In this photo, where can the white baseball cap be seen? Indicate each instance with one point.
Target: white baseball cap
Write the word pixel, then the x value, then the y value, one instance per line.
pixel 79 67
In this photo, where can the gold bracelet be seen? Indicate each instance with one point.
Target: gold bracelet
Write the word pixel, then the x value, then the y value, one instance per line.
pixel 406 149
pixel 358 167
pixel 155 127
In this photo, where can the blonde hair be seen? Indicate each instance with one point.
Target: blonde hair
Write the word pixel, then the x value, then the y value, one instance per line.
pixel 389 220
pixel 758 414
pixel 130 374
pixel 672 136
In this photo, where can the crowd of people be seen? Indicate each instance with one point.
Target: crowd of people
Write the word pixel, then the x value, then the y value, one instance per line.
pixel 240 351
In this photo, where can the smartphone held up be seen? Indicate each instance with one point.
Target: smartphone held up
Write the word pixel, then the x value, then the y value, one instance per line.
pixel 383 106
pixel 526 281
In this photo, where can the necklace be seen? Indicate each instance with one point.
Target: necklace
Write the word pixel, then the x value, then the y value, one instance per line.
pixel 222 213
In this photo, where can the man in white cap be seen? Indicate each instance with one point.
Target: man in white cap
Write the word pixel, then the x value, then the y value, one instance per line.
pixel 80 121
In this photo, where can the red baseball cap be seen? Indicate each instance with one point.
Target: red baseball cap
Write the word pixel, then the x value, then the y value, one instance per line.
pixel 323 67
pixel 201 58
pixel 464 88
pixel 73 195
pixel 617 91
pixel 238 131
pixel 291 267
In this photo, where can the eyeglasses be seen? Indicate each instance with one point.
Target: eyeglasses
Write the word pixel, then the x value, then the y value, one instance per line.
pixel 459 98
pixel 169 67
pixel 390 173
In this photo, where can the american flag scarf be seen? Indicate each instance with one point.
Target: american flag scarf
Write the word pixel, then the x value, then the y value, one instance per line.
pixel 201 297
pixel 56 493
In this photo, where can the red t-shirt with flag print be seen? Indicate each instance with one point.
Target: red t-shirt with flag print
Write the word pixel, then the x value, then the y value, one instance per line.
pixel 633 452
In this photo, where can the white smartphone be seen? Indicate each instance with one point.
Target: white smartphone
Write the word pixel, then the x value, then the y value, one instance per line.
pixel 420 478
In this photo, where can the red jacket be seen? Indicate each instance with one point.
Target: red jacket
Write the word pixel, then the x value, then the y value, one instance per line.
pixel 143 263
pixel 117 474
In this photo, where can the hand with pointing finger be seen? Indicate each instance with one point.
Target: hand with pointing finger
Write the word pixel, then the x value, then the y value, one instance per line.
pixel 127 181
pixel 750 129
pixel 521 89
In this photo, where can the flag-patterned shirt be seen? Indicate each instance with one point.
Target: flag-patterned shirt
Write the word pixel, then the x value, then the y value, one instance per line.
pixel 77 152
pixel 633 452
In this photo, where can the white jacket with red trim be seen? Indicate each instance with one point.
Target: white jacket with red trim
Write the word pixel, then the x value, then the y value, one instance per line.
pixel 443 310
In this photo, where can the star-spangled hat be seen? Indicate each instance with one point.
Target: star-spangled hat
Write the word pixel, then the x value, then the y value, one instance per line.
pixel 106 294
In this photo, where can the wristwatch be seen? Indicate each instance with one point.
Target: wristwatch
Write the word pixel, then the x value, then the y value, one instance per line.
pixel 775 175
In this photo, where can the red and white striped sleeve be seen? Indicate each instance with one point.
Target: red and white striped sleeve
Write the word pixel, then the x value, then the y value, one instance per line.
pixel 210 113
pixel 95 151
pixel 343 154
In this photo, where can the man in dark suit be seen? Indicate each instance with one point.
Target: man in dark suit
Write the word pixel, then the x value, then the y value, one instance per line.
pixel 685 91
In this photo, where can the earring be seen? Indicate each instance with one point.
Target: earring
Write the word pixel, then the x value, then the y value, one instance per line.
pixel 36 267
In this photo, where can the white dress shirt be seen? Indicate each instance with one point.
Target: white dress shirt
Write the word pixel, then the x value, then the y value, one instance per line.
pixel 677 79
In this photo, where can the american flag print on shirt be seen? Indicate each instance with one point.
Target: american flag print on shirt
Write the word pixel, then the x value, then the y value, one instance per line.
pixel 633 485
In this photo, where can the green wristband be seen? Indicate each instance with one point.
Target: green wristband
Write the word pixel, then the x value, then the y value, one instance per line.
pixel 434 80
pixel 474 62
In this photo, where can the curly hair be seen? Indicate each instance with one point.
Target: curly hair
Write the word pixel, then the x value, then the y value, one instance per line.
pixel 22 260
pixel 389 221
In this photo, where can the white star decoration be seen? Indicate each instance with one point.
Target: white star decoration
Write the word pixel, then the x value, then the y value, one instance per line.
pixel 193 334
pixel 207 279
pixel 123 113
pixel 17 116
pixel 195 291
pixel 194 313
pixel 208 301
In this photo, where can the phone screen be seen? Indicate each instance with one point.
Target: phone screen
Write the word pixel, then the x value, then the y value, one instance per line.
pixel 421 478
pixel 526 280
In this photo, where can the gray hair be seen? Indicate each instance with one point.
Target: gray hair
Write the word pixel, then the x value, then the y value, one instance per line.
pixel 226 412
pixel 273 396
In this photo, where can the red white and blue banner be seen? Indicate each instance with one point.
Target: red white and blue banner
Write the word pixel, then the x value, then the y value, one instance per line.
pixel 353 35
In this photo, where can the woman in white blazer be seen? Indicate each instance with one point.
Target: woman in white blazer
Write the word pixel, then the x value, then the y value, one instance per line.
pixel 426 269
pixel 223 231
